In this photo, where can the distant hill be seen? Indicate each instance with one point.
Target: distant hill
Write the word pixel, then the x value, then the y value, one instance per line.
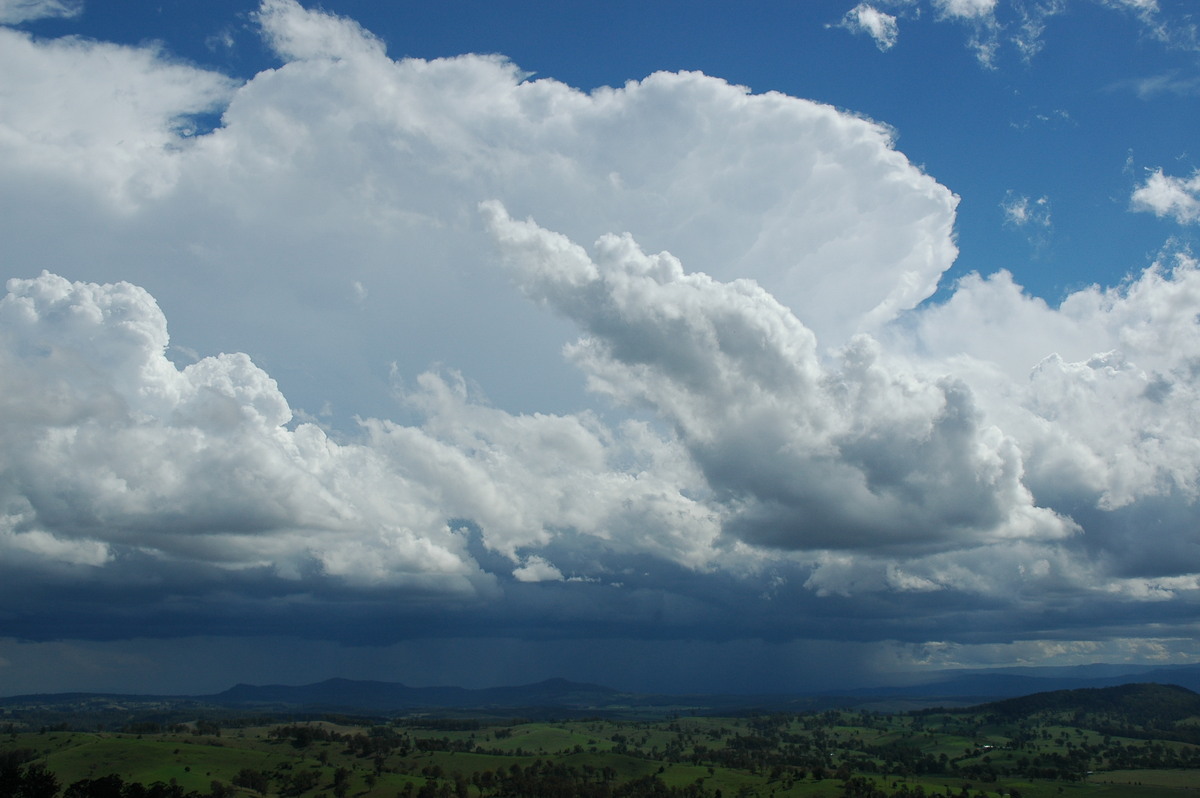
pixel 1144 710
pixel 560 698
pixel 1139 704
pixel 550 698
pixel 392 697
pixel 984 684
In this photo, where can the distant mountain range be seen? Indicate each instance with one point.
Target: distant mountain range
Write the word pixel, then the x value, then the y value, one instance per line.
pixel 559 697
pixel 392 697
pixel 990 683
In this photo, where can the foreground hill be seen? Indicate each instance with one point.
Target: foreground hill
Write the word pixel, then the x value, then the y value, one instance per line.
pixel 1145 711
pixel 1138 703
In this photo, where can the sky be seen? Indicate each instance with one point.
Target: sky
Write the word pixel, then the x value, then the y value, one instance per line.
pixel 763 346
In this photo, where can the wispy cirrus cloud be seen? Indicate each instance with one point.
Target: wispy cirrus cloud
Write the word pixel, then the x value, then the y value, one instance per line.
pixel 993 26
pixel 1170 83
pixel 13 12
pixel 1030 216
pixel 1021 211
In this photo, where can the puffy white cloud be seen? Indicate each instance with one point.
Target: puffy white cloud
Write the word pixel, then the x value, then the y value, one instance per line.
pixel 881 27
pixel 136 102
pixel 864 455
pixel 1100 392
pixel 1132 405
pixel 16 11
pixel 298 36
pixel 537 569
pixel 527 480
pixel 108 444
pixel 1100 395
pixel 1174 197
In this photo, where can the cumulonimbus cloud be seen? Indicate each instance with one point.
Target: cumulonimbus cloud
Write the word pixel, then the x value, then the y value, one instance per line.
pixel 776 405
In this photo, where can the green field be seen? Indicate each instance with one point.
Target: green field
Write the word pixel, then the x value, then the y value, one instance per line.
pixel 983 753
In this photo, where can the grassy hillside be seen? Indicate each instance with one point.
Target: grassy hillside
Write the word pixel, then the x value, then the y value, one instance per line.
pixel 1146 711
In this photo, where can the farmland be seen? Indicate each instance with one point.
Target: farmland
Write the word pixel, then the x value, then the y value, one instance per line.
pixel 1142 742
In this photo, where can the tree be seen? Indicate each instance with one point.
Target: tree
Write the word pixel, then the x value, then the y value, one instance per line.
pixel 252 780
pixel 341 782
pixel 33 781
pixel 111 786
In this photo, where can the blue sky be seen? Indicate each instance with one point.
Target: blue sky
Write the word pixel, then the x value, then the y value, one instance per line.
pixel 700 346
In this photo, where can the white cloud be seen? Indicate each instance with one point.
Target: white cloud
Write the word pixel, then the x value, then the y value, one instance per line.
pixel 136 104
pixel 965 9
pixel 108 444
pixel 1174 197
pixel 1158 589
pixel 1028 36
pixel 864 455
pixel 1157 85
pixel 1020 211
pixel 1031 216
pixel 299 36
pixel 789 186
pixel 881 27
pixel 46 548
pixel 13 12
pixel 1022 23
pixel 1047 652
pixel 530 479
pixel 996 571
pixel 1145 10
pixel 1101 392
pixel 1133 406
pixel 537 569
pixel 979 16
